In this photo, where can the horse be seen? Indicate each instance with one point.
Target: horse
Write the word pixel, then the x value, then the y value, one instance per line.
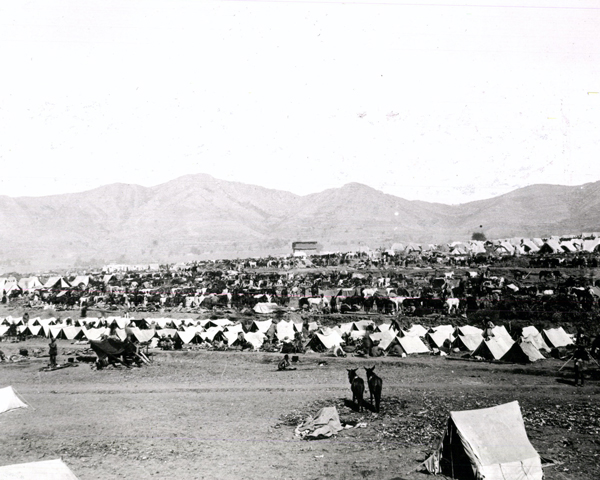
pixel 375 386
pixel 357 385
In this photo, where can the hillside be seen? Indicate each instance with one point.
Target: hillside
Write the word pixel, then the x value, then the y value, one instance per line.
pixel 198 216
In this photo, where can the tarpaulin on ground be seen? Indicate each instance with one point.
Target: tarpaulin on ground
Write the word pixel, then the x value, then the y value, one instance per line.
pixel 324 424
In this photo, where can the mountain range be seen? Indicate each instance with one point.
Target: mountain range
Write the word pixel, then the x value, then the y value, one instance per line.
pixel 198 216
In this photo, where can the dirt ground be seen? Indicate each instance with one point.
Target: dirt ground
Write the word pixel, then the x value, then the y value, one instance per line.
pixel 231 415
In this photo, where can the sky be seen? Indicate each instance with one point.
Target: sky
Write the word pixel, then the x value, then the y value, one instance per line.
pixel 443 102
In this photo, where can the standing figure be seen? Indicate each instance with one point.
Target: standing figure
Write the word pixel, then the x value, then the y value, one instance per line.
pixel 579 358
pixel 53 351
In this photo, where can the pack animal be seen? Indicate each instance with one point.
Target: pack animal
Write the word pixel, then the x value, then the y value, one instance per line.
pixel 357 385
pixel 375 386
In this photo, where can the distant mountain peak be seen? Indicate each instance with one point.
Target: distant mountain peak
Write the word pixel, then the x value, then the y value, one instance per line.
pixel 199 216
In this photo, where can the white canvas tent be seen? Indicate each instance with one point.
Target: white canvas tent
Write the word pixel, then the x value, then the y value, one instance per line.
pixel 9 401
pixel 186 335
pixel 556 337
pixel 412 345
pixel 285 330
pixel 530 330
pixel 438 338
pixel 414 331
pixel 46 470
pixel 94 333
pixel 489 443
pixel 261 326
pixel 28 284
pixel 255 338
pixel 500 331
pixel 467 342
pixel 522 352
pixel 385 338
pixel 56 283
pixel 446 329
pixel 493 348
pixel 537 340
pixel 142 335
pixel 325 341
pixel 468 330
pixel 81 280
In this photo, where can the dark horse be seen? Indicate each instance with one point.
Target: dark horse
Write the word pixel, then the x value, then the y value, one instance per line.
pixel 357 386
pixel 375 387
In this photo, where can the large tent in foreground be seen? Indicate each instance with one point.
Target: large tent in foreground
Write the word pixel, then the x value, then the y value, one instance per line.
pixel 490 443
pixel 46 470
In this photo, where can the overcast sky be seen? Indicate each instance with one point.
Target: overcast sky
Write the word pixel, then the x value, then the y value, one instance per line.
pixel 444 102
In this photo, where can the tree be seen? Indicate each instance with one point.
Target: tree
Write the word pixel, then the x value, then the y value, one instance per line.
pixel 479 236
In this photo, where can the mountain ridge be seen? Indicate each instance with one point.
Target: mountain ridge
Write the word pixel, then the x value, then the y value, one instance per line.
pixel 198 216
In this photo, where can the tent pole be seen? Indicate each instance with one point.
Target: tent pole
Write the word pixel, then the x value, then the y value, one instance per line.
pixel 565 364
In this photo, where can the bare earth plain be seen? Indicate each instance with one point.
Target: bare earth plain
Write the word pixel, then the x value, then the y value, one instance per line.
pixel 231 415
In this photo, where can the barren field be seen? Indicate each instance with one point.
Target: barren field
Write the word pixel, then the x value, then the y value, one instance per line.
pixel 231 415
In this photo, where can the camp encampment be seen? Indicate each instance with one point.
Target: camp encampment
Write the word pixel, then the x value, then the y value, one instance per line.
pixel 490 443
pixel 9 401
pixel 46 470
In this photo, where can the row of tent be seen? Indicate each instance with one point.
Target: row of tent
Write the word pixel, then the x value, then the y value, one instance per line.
pixel 415 340
pixel 33 283
pixel 508 246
